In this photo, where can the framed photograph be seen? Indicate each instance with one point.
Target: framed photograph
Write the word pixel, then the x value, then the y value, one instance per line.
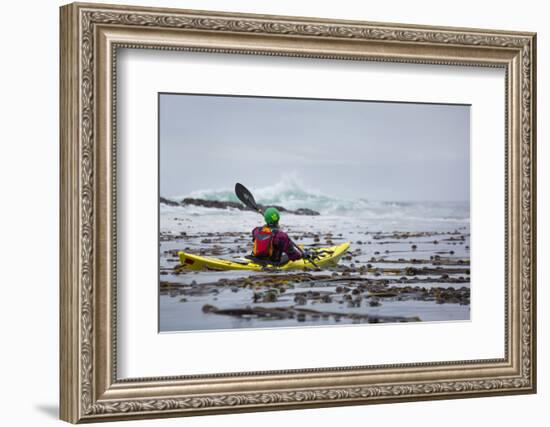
pixel 267 212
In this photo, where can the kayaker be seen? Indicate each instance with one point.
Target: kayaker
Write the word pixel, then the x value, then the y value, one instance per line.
pixel 271 243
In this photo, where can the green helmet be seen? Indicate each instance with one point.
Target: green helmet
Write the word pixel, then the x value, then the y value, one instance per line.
pixel 271 216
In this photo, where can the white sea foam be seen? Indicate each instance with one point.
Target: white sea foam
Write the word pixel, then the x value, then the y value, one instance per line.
pixel 291 193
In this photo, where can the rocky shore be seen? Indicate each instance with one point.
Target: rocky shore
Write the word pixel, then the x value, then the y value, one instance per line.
pixel 337 288
pixel 217 204
pixel 385 277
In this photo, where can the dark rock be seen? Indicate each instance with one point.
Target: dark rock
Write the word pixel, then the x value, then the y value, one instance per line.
pixel 168 202
pixel 374 302
pixel 270 296
pixel 300 299
pixel 219 204
pixel 305 211
pixel 326 298
pixel 411 271
pixel 212 204
pixel 207 308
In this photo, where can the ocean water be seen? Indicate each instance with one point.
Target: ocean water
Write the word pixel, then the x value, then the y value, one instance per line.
pixel 360 211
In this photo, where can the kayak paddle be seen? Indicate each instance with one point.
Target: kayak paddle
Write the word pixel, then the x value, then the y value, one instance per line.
pixel 247 198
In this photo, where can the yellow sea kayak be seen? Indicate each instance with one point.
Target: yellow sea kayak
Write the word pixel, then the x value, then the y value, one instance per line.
pixel 324 257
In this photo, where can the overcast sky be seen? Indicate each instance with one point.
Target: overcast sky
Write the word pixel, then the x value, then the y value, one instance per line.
pixel 372 150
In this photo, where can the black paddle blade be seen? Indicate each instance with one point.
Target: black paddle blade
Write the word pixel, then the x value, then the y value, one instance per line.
pixel 246 197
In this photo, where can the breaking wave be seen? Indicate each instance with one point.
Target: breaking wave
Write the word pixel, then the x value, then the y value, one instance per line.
pixel 290 193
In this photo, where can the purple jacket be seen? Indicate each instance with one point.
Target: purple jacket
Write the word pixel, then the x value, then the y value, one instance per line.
pixel 281 244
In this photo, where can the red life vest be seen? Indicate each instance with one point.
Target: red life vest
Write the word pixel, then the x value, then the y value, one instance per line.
pixel 263 243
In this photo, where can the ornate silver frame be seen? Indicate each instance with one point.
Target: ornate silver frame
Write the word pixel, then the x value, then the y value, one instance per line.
pixel 90 36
